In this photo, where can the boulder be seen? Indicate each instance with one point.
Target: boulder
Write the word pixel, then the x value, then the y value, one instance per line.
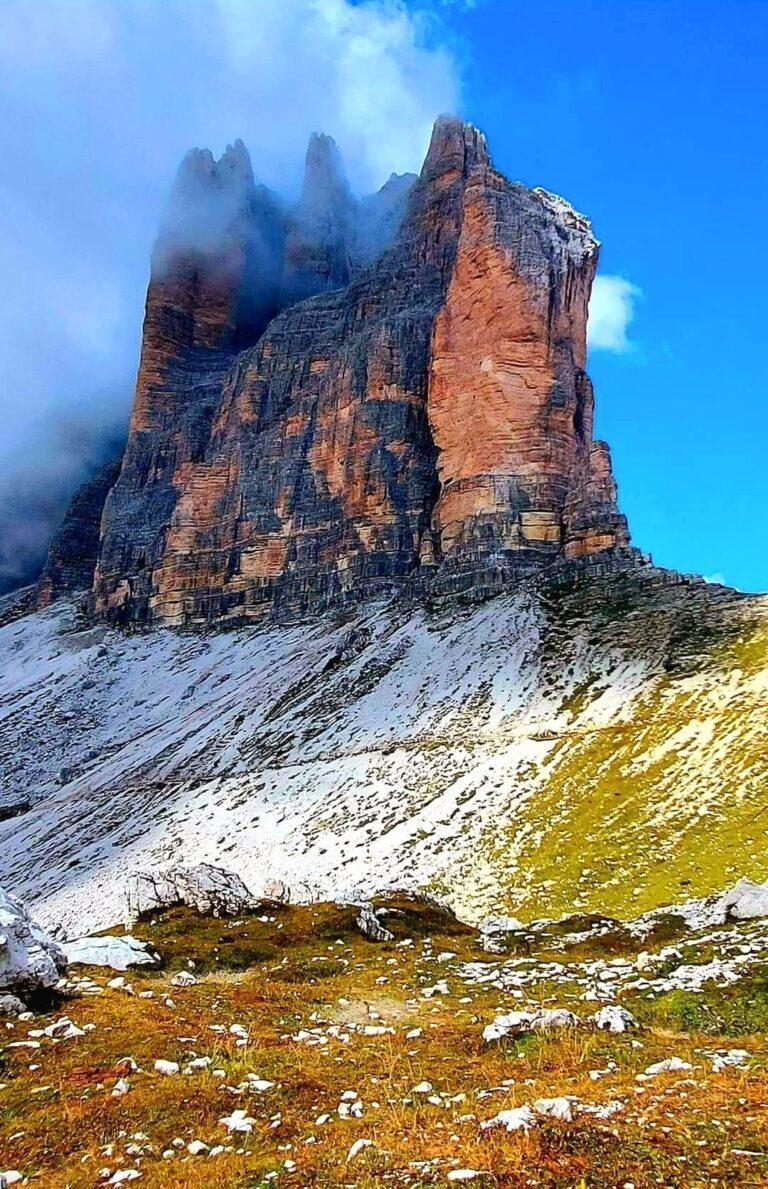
pixel 11 1005
pixel 31 962
pixel 745 901
pixel 277 890
pixel 369 925
pixel 211 890
pixel 118 953
pixel 494 931
pixel 516 1023
pixel 613 1018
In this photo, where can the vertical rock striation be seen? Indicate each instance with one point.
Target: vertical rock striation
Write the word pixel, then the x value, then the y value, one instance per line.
pixel 74 550
pixel 344 396
pixel 510 403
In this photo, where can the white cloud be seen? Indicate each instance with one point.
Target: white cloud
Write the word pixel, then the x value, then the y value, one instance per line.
pixel 99 102
pixel 611 310
pixel 362 72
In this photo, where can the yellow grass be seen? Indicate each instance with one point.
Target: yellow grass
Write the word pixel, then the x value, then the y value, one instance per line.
pixel 60 1125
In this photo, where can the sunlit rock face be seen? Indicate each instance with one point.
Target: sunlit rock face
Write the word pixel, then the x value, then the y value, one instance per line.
pixel 349 395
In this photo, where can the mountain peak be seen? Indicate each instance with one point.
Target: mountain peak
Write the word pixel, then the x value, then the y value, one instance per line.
pixel 454 145
pixel 325 181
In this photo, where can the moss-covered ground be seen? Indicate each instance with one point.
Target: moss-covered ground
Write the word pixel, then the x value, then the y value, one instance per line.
pixel 295 972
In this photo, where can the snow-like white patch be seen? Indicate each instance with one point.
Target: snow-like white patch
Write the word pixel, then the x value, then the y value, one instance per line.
pixel 383 747
pixel 118 953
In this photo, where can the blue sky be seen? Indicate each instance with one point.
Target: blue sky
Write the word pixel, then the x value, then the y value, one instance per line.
pixel 648 116
pixel 651 118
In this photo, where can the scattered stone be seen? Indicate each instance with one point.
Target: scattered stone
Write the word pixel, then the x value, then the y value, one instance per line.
pixel 730 1058
pixel 519 1118
pixel 358 1147
pixel 11 1005
pixel 183 979
pixel 238 1121
pixel 670 1065
pixel 554 1108
pixel 166 1068
pixel 515 1023
pixel 197 1063
pixel 63 1029
pixel 553 1019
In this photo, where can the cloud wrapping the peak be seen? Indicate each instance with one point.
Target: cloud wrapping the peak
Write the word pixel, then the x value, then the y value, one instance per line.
pixel 100 101
pixel 611 310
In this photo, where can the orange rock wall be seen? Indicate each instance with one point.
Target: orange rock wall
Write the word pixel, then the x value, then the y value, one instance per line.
pixel 431 421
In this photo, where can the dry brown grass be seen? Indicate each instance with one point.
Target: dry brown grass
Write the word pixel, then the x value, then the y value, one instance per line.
pixel 60 1125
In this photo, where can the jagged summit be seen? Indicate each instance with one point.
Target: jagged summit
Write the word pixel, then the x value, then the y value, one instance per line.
pixel 325 182
pixel 320 232
pixel 454 145
pixel 425 419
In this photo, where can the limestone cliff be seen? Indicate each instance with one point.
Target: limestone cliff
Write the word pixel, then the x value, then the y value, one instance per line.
pixel 75 547
pixel 347 395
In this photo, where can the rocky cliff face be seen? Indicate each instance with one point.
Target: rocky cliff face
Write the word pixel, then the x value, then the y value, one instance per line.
pixel 75 547
pixel 349 395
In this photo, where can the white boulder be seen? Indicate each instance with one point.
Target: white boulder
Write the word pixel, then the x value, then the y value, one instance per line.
pixel 30 960
pixel 554 1108
pixel 166 1068
pixel 554 1019
pixel 511 1024
pixel 745 901
pixel 210 890
pixel 670 1065
pixel 184 978
pixel 515 1023
pixel 519 1118
pixel 118 953
pixel 493 931
pixel 613 1018
pixel 11 1005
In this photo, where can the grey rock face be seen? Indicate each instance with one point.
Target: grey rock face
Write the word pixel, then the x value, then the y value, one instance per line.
pixel 75 547
pixel 370 926
pixel 31 962
pixel 208 889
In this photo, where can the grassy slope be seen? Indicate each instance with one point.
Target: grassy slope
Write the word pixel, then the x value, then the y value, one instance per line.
pixel 667 801
pixel 60 1125
pixel 598 743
